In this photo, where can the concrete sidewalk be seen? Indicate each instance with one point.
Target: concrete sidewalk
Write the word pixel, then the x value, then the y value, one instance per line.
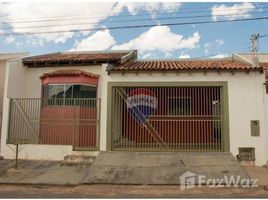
pixel 142 168
pixel 40 173
pixel 260 173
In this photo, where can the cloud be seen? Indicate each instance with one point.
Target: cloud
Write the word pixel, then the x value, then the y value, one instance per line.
pixel 32 41
pixel 152 7
pixel 19 44
pixel 147 55
pixel 49 13
pixel 220 55
pixel 9 39
pixel 232 12
pixel 207 46
pixel 81 15
pixel 219 42
pixel 160 38
pixel 212 45
pixel 100 40
pixel 184 56
pixel 168 55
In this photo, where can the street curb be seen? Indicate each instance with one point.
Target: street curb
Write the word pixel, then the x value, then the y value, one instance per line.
pixel 263 187
pixel 41 184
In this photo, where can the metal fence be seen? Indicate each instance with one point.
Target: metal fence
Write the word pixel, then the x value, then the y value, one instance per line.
pixel 167 118
pixel 0 125
pixel 56 122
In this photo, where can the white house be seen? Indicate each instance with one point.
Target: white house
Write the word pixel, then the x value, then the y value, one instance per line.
pixel 4 59
pixel 85 102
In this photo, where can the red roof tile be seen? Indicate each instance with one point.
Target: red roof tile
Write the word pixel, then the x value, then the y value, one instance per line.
pixel 70 72
pixel 265 67
pixel 76 57
pixel 212 64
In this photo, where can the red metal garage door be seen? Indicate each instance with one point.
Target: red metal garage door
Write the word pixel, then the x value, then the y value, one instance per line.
pixel 167 118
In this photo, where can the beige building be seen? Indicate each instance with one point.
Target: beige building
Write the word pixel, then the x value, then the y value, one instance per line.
pixel 85 102
pixel 4 59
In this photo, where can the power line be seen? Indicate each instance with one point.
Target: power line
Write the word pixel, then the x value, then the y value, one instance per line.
pixel 112 13
pixel 131 20
pixel 138 26
pixel 262 36
pixel 128 15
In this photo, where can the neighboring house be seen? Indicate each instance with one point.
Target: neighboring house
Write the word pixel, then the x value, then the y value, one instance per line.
pixel 263 60
pixel 85 102
pixel 4 58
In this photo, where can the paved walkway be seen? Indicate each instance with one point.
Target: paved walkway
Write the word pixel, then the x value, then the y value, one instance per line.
pixel 41 173
pixel 143 168
pixel 260 173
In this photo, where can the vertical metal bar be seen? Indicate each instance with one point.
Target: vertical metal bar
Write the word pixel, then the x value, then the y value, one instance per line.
pixel 73 123
pixel 214 139
pixel 115 120
pixel 175 121
pixel 17 153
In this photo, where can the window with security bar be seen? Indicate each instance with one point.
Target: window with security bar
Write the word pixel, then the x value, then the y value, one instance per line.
pixel 179 106
pixel 65 94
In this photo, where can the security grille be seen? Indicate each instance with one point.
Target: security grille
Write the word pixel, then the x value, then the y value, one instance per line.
pixel 56 122
pixel 167 118
pixel 246 154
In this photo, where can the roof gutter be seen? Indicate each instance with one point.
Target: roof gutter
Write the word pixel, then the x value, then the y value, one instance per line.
pixel 129 56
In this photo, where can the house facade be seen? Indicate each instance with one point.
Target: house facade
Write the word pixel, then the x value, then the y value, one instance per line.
pixel 85 102
pixel 4 59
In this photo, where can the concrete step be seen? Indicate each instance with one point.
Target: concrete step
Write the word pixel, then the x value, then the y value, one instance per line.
pixel 73 160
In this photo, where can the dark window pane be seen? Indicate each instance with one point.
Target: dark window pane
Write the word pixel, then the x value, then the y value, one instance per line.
pixel 66 94
pixel 88 91
pixel 68 91
pixel 55 91
pixel 179 106
pixel 76 91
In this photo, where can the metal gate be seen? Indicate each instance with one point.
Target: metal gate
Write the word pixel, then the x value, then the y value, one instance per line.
pixel 167 118
pixel 73 122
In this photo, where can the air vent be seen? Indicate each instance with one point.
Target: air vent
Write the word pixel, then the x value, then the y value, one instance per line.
pixel 246 154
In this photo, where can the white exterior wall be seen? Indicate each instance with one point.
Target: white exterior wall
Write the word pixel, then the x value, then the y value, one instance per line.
pixel 2 82
pixel 245 95
pixel 246 102
pixel 4 58
pixel 266 123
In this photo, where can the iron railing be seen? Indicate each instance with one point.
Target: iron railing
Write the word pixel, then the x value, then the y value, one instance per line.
pixel 1 118
pixel 56 122
pixel 167 118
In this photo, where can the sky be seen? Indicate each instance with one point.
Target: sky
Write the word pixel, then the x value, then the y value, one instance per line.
pixel 20 23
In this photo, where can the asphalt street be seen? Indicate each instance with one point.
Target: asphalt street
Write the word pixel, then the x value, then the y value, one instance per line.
pixel 127 191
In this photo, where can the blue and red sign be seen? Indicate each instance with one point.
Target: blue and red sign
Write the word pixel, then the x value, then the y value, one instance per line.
pixel 141 103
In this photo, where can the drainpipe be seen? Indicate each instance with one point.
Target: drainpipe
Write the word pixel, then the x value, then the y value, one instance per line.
pixel 109 68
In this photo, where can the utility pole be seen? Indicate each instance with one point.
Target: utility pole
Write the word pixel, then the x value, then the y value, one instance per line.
pixel 254 48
